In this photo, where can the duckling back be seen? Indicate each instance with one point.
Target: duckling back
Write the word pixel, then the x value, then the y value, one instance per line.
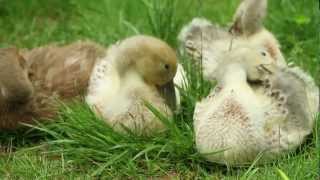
pixel 63 70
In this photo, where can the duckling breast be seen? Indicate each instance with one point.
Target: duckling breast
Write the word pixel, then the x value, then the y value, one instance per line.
pixel 120 99
pixel 137 117
pixel 230 122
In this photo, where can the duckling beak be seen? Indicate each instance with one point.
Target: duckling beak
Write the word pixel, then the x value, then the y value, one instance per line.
pixel 266 69
pixel 269 68
pixel 167 92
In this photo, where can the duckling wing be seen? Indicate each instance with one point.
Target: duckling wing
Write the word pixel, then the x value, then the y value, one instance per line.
pixel 301 105
pixel 306 85
pixel 274 115
pixel 198 35
pixel 200 40
pixel 104 84
pixel 63 70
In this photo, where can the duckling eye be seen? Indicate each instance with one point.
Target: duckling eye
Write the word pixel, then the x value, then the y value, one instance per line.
pixel 263 53
pixel 166 66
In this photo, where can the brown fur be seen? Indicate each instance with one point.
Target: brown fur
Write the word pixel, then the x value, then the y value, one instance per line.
pixel 64 70
pixel 56 73
pixel 14 83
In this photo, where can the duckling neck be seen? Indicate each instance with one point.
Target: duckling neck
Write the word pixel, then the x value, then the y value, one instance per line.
pixel 122 59
pixel 131 79
pixel 120 64
pixel 233 74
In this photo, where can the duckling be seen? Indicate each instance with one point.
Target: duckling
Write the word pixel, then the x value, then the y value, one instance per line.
pixel 128 76
pixel 33 81
pixel 237 121
pixel 205 42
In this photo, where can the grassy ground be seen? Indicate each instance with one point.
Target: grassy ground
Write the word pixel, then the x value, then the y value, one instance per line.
pixel 80 146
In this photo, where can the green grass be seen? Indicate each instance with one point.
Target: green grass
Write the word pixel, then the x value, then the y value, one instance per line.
pixel 79 145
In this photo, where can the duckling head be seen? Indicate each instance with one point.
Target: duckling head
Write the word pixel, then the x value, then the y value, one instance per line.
pixel 15 86
pixel 256 62
pixel 153 59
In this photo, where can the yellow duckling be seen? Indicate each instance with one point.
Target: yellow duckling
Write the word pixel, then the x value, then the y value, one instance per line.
pixel 242 120
pixel 126 77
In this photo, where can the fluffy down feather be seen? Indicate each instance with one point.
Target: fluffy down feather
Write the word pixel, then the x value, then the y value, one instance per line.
pixel 243 120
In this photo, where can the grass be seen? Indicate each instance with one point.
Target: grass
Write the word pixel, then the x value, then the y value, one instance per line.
pixel 79 145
